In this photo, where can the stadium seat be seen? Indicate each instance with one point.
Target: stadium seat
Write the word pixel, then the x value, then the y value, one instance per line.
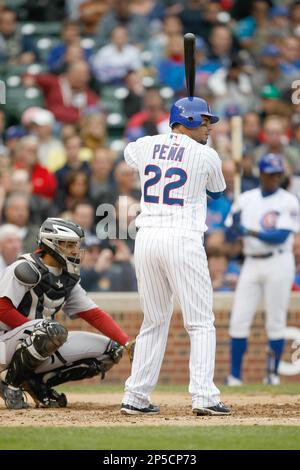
pixel 40 30
pixel 115 125
pixel 112 97
pixel 19 98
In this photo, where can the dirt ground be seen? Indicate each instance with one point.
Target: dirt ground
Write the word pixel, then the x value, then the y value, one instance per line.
pixel 103 410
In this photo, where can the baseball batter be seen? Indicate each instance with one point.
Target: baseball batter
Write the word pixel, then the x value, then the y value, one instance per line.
pixel 176 170
pixel 36 351
pixel 266 218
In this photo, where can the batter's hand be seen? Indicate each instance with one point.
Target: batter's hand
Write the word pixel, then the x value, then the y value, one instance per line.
pixel 129 346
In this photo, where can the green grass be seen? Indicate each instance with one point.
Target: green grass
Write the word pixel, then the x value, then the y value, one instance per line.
pixel 284 389
pixel 154 438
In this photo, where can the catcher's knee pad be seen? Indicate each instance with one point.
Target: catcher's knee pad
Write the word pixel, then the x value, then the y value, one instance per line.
pixel 46 337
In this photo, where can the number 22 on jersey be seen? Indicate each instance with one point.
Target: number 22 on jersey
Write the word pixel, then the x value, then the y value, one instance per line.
pixel 167 199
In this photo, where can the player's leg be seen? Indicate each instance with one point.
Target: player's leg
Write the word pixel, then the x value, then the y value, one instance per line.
pixel 84 355
pixel 280 277
pixel 27 347
pixel 157 305
pixel 248 294
pixel 186 265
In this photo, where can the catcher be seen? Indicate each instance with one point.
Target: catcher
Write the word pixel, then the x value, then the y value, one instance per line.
pixel 36 351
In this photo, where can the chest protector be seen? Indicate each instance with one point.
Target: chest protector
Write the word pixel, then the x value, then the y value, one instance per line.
pixel 46 296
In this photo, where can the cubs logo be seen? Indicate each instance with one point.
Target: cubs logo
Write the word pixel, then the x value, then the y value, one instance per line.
pixel 268 221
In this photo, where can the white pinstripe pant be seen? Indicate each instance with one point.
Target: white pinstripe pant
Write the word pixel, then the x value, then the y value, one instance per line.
pixel 173 262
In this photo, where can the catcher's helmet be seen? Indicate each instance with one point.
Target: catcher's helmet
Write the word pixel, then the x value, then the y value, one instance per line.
pixel 188 112
pixel 51 235
pixel 271 163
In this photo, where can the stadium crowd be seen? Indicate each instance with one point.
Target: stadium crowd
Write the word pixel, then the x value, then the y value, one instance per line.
pixel 84 77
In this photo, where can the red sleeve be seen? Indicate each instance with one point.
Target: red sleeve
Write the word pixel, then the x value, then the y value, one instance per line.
pixel 9 315
pixel 66 114
pixel 105 324
pixel 45 81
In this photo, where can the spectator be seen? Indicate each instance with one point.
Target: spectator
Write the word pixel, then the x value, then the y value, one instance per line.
pixel 2 126
pixel 153 119
pixel 10 245
pixel 12 136
pixel 101 187
pixel 271 102
pixel 232 85
pixel 152 10
pixel 251 131
pixel 191 16
pixel 113 61
pixel 295 142
pixel 221 45
pixel 93 132
pixel 171 68
pixel 70 37
pixel 222 278
pixel 278 22
pixel 14 47
pixel 295 18
pixel 16 212
pixel 275 141
pixel 119 15
pixel 132 103
pixel 107 269
pixel 127 209
pixel 171 26
pixel 43 182
pixel 126 181
pixel 296 250
pixel 204 67
pixel 210 18
pixel 66 95
pixel 50 149
pixel 75 191
pixel 253 31
pixel 72 147
pixel 83 215
pixel 269 71
pixel 91 13
pixel 290 55
pixel 40 207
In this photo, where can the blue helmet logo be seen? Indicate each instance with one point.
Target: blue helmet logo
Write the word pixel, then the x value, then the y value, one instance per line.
pixel 188 112
pixel 271 163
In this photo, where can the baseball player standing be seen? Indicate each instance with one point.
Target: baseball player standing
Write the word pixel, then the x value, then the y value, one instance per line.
pixel 266 218
pixel 176 170
pixel 36 351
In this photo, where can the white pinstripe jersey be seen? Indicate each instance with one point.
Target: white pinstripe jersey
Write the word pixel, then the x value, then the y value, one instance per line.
pixel 175 172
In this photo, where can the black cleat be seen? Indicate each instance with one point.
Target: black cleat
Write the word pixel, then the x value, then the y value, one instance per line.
pixel 217 410
pixel 43 395
pixel 132 410
pixel 13 397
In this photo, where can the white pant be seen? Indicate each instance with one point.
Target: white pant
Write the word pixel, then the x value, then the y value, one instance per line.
pixel 79 345
pixel 170 263
pixel 264 278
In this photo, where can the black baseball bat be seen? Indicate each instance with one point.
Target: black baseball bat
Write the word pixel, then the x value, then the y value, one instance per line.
pixel 189 62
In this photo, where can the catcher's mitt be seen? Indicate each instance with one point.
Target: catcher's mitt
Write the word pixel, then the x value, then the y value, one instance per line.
pixel 129 346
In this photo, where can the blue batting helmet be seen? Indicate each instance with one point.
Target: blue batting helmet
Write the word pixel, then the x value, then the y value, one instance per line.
pixel 188 112
pixel 271 163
